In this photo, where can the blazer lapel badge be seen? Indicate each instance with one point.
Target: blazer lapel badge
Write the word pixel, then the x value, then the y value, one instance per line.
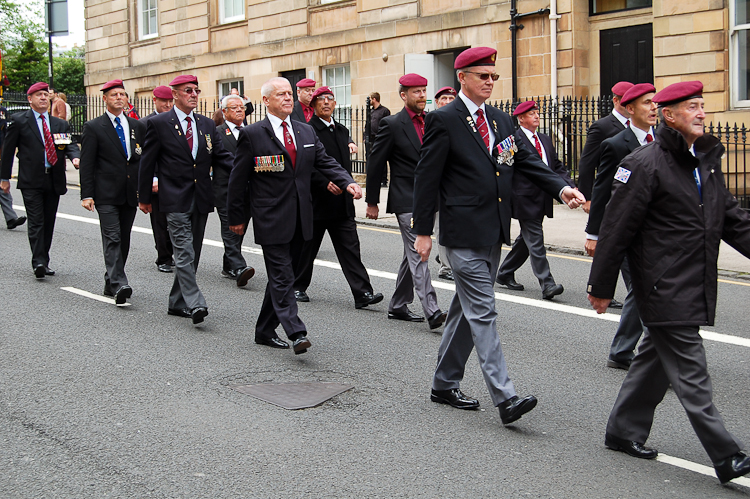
pixel 209 145
pixel 506 150
pixel 470 120
pixel 138 149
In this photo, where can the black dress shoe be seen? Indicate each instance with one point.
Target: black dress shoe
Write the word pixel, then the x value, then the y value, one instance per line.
pixel 437 319
pixel 180 312
pixel 454 398
pixel 39 272
pixel 244 275
pixel 509 282
pixel 405 315
pixel 512 409
pixel 732 467
pixel 368 299
pixel 614 304
pixel 618 364
pixel 447 275
pixel 301 345
pixel 629 447
pixel 229 274
pixel 165 267
pixel 301 296
pixel 274 342
pixel 12 224
pixel 123 294
pixel 48 271
pixel 552 290
pixel 108 291
pixel 198 314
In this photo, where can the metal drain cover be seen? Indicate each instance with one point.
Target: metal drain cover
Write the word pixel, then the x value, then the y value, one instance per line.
pixel 293 395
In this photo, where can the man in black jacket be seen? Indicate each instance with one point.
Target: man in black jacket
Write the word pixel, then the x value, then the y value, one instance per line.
pixel 669 211
pixel 42 142
pixel 12 220
pixel 333 211
pixel 529 206
pixel 111 150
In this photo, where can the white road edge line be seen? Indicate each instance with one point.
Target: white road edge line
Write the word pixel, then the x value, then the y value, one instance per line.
pixel 520 300
pixel 103 299
pixel 698 468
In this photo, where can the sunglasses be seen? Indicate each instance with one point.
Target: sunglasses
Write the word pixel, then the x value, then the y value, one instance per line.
pixel 485 76
pixel 191 90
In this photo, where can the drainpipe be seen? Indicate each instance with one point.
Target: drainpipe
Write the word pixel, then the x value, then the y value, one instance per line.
pixel 553 17
pixel 514 27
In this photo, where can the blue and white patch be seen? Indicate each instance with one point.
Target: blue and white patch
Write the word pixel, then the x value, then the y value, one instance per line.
pixel 622 175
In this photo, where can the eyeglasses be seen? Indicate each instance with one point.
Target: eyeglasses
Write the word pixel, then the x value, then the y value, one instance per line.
pixel 191 90
pixel 484 76
pixel 235 108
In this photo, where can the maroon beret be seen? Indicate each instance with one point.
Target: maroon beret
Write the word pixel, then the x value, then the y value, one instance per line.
pixel 621 87
pixel 113 84
pixel 321 91
pixel 678 92
pixel 183 79
pixel 306 82
pixel 524 107
pixel 413 80
pixel 445 91
pixel 637 91
pixel 477 56
pixel 163 92
pixel 37 87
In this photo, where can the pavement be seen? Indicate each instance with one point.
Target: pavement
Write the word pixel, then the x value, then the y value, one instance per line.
pixel 564 233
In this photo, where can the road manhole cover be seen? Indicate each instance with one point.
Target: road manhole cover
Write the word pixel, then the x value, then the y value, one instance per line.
pixel 293 395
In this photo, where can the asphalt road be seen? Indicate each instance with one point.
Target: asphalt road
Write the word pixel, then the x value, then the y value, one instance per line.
pixel 99 401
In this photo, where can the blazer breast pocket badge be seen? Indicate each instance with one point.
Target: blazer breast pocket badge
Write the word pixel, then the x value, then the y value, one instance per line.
pixel 61 140
pixel 209 145
pixel 269 163
pixel 506 150
pixel 138 149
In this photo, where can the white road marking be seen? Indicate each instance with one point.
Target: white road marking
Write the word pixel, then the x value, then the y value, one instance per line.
pixel 698 468
pixel 102 299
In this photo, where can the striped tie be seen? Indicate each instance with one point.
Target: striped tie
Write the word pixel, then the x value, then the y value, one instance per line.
pixel 49 143
pixel 483 128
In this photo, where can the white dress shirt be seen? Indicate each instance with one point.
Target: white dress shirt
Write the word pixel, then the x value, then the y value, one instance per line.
pixel 530 136
pixel 278 130
pixel 125 128
pixel 183 123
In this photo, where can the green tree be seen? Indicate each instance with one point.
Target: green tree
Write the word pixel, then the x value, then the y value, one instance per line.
pixel 22 43
pixel 69 69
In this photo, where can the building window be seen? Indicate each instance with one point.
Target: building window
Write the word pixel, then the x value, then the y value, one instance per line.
pixel 603 6
pixel 739 47
pixel 232 10
pixel 226 86
pixel 340 82
pixel 148 25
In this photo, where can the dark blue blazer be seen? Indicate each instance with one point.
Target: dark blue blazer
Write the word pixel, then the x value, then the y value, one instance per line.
pixel 598 132
pixel 278 198
pixel 181 178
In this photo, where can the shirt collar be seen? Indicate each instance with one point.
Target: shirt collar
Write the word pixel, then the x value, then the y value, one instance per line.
pixel 112 116
pixel 327 123
pixel 412 114
pixel 276 121
pixel 45 114
pixel 470 104
pixel 622 119
pixel 181 115
pixel 528 132
pixel 640 134
pixel 231 125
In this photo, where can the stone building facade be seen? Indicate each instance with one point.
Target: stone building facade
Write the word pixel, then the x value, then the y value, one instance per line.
pixel 359 46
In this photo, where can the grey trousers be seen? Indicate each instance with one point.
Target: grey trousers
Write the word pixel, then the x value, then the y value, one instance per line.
pixel 631 328
pixel 232 259
pixel 529 244
pixel 115 223
pixel 186 233
pixel 412 273
pixel 671 356
pixel 444 265
pixel 6 202
pixel 472 322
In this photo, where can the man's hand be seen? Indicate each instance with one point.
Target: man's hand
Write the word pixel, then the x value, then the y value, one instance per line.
pixel 572 197
pixel 76 162
pixel 599 304
pixel 5 186
pixel 355 190
pixel 353 148
pixel 587 206
pixel 590 247
pixel 334 189
pixel 155 187
pixel 423 245
pixel 145 208
pixel 372 211
pixel 88 204
pixel 237 229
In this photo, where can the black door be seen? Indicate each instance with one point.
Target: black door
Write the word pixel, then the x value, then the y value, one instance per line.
pixel 294 77
pixel 626 54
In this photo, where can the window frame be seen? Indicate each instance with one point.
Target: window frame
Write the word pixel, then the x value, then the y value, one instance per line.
pixel 231 19
pixel 734 54
pixel 626 9
pixel 142 35
pixel 343 111
pixel 240 81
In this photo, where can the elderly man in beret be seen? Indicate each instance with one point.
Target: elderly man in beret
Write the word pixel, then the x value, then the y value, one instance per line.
pixel 398 143
pixel 466 169
pixel 668 212
pixel 111 150
pixel 42 142
pixel 184 145
pixel 530 205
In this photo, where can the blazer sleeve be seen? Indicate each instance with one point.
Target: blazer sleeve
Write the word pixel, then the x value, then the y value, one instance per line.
pixel 238 191
pixel 381 150
pixel 329 167
pixel 89 154
pixel 10 143
pixel 531 165
pixel 602 190
pixel 589 161
pixel 151 150
pixel 435 150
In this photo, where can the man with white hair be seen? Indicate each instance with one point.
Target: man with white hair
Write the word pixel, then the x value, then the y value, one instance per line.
pixel 273 164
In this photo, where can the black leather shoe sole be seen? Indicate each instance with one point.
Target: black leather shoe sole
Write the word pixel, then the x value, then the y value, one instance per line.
pixel 458 405
pixel 405 316
pixel 732 467
pixel 510 284
pixel 376 298
pixel 552 291
pixel 523 406
pixel 199 314
pixel 245 276
pixel 16 222
pixel 301 296
pixel 437 319
pixel 630 448
pixel 167 269
pixel 272 342
pixel 123 294
pixel 39 272
pixel 615 304
pixel 177 312
pixel 301 345
pixel 48 271
pixel 618 365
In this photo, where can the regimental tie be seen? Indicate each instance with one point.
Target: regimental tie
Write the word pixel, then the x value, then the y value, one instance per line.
pixel 121 134
pixel 649 138
pixel 538 146
pixel 49 143
pixel 189 133
pixel 483 128
pixel 289 144
pixel 627 123
pixel 420 126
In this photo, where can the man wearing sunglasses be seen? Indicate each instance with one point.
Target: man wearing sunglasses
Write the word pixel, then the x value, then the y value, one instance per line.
pixel 184 144
pixel 466 170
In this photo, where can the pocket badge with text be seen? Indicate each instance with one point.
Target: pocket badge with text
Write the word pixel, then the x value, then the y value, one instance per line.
pixel 269 163
pixel 506 150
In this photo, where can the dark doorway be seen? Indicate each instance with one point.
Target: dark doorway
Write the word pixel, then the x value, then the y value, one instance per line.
pixel 626 54
pixel 294 77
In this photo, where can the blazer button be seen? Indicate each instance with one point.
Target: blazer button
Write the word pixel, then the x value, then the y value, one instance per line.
pixel 499 200
pixel 195 181
pixel 497 174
